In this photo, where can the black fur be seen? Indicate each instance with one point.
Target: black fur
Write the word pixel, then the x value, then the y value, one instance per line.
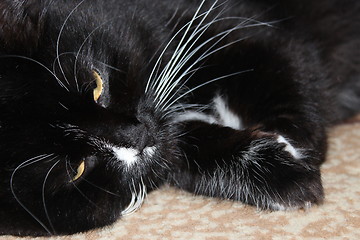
pixel 286 70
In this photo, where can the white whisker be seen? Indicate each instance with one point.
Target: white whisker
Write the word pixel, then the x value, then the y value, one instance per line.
pixel 59 37
pixel 172 68
pixel 57 57
pixel 187 27
pixel 168 83
pixel 92 184
pixel 205 83
pixel 94 60
pixel 208 52
pixel 62 105
pixel 74 185
pixel 168 71
pixel 43 197
pixel 137 198
pixel 177 108
pixel 83 44
pixel 176 84
pixel 40 64
pixel 23 165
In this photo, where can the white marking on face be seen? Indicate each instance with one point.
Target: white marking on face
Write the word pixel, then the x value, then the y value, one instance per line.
pixel 196 116
pixel 227 117
pixel 289 148
pixel 127 155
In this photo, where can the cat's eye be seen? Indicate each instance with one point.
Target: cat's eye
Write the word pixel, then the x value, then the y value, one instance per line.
pixel 79 172
pixel 99 85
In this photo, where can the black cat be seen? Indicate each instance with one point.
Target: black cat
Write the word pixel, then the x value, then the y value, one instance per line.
pixel 102 101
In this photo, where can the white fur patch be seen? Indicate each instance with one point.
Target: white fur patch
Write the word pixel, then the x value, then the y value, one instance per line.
pixel 222 115
pixel 280 207
pixel 127 155
pixel 289 148
pixel 227 117
pixel 196 116
pixel 149 151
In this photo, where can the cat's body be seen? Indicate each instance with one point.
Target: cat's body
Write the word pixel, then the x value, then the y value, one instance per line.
pixel 102 101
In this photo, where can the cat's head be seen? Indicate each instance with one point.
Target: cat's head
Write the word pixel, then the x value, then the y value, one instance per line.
pixel 81 135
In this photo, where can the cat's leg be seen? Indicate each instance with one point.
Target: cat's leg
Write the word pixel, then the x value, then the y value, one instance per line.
pixel 260 168
pixel 264 139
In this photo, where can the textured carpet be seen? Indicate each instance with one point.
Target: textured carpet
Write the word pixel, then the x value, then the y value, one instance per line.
pixel 173 214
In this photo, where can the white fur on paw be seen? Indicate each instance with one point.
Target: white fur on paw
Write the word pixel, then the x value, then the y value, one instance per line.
pixel 280 207
pixel 290 148
pixel 195 116
pixel 227 117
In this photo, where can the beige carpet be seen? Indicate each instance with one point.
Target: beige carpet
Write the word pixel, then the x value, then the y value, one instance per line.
pixel 173 214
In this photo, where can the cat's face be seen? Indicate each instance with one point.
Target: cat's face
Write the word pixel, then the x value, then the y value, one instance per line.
pixel 81 138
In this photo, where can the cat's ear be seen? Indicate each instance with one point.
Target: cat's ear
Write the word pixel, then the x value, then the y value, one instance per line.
pixel 20 22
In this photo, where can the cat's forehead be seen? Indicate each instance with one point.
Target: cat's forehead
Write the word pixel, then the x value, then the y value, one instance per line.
pixel 104 32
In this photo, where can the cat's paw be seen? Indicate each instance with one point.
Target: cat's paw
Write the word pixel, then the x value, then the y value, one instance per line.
pixel 280 175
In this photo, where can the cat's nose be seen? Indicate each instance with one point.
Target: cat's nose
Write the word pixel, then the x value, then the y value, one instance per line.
pixel 145 138
pixel 135 133
pixel 138 136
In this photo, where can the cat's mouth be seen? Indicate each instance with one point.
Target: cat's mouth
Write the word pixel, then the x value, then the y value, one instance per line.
pixel 131 156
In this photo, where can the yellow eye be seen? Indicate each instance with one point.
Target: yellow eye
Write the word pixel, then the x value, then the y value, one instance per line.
pixel 99 85
pixel 79 172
